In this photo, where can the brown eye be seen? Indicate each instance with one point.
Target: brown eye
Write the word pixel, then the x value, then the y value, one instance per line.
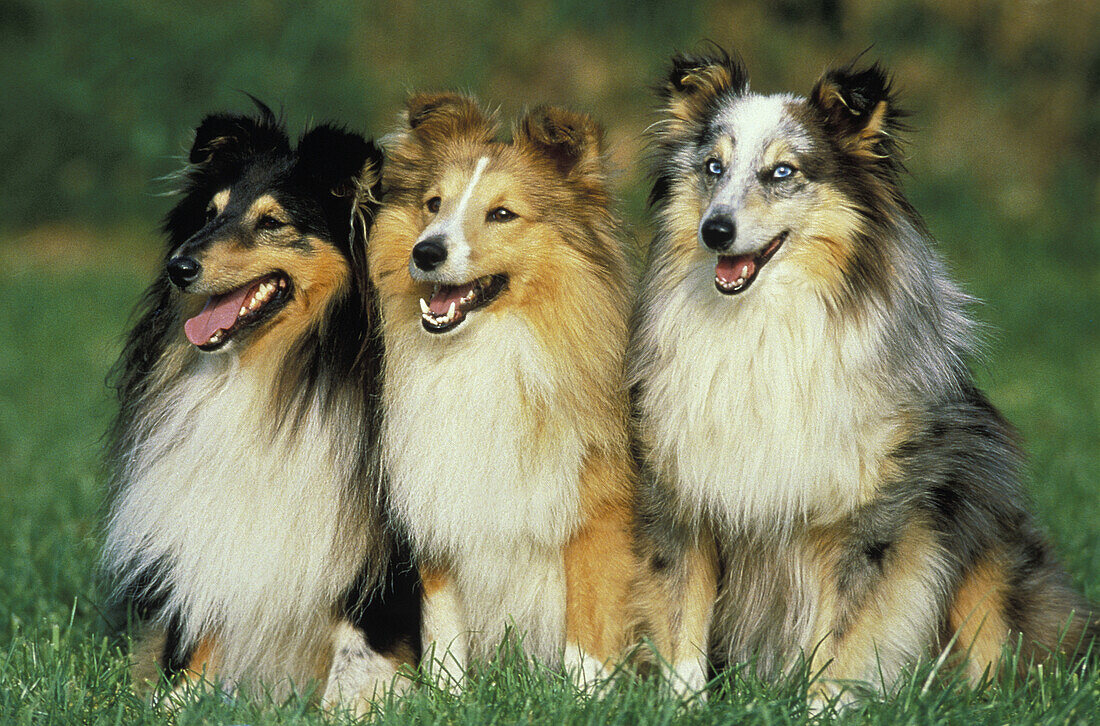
pixel 433 204
pixel 267 222
pixel 501 214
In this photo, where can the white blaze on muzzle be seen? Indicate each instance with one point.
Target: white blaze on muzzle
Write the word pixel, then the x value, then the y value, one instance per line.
pixel 452 229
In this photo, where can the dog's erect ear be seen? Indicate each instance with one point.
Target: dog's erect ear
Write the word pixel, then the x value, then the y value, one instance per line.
pixel 226 135
pixel 858 108
pixel 339 160
pixel 694 82
pixel 434 116
pixel 572 141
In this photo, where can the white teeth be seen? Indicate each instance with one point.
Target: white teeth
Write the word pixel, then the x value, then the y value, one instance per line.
pixel 253 303
pixel 282 282
pixel 439 321
pixel 424 307
pixel 744 272
pixel 244 311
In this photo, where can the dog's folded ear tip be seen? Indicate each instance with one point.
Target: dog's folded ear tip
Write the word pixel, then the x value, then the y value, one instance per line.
pixel 693 80
pixel 565 136
pixel 334 156
pixel 429 116
pixel 853 91
pixel 859 106
pixel 240 134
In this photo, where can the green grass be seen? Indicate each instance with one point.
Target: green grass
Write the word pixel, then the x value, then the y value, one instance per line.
pixel 1005 105
pixel 60 329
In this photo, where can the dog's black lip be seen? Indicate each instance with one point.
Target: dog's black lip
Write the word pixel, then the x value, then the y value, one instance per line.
pixel 497 284
pixel 281 297
pixel 760 260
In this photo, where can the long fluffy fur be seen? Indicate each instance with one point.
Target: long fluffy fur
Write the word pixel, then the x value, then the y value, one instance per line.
pixel 247 516
pixel 506 441
pixel 823 476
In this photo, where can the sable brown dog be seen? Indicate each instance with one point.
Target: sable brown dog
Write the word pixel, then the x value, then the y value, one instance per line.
pixel 247 528
pixel 504 296
pixel 824 479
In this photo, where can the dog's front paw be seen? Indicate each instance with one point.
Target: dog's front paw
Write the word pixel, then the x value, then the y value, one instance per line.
pixel 586 672
pixel 825 695
pixel 687 679
pixel 360 676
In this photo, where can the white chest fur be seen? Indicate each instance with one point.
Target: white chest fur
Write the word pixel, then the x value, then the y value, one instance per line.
pixel 252 523
pixel 763 411
pixel 476 453
pixel 484 470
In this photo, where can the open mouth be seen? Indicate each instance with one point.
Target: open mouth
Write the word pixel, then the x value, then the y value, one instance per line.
pixel 228 314
pixel 734 274
pixel 450 304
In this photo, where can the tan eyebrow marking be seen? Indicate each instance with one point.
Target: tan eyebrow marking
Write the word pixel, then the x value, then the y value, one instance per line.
pixel 220 200
pixel 780 151
pixel 724 148
pixel 267 205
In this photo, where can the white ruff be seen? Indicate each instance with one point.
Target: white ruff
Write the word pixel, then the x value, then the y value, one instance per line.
pixel 764 413
pixel 251 524
pixel 475 479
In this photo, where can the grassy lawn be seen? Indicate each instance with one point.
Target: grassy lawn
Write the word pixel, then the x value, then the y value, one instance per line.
pixel 60 328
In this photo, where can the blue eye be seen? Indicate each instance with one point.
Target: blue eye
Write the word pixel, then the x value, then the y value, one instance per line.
pixel 782 171
pixel 714 167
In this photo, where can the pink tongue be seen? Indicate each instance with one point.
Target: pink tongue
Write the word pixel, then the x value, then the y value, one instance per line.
pixel 729 269
pixel 219 314
pixel 441 301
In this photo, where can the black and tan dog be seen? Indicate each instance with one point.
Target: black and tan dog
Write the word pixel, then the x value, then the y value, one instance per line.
pixel 824 478
pixel 246 526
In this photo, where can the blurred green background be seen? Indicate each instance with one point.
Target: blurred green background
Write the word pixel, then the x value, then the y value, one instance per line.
pixel 98 100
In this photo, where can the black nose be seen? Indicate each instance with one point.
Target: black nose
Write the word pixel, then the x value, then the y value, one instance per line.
pixel 183 270
pixel 718 233
pixel 430 253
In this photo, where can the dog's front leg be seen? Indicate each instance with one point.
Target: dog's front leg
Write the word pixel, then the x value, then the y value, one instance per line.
pixel 676 594
pixel 444 629
pixel 600 566
pixel 198 675
pixel 878 613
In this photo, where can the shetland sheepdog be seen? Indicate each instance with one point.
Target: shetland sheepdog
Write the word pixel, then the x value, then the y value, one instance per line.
pixel 503 289
pixel 823 479
pixel 246 527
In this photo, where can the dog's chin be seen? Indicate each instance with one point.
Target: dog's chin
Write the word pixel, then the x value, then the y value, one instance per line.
pixel 734 274
pixel 228 319
pixel 447 307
